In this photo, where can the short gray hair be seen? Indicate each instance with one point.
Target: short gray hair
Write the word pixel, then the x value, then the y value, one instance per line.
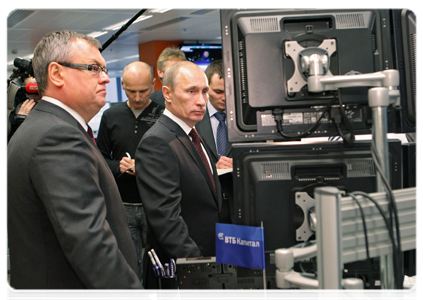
pixel 55 46
pixel 169 53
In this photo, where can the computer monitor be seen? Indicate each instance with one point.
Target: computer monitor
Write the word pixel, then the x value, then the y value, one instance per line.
pixel 270 178
pixel 405 37
pixel 202 54
pixel 258 68
pixel 411 178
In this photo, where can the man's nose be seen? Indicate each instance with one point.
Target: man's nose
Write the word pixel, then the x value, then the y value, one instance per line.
pixel 202 99
pixel 104 78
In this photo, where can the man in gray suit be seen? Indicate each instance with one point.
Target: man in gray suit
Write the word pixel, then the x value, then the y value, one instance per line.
pixel 67 227
pixel 178 184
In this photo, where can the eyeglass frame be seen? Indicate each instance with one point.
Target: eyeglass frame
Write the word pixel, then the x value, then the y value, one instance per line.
pixel 85 67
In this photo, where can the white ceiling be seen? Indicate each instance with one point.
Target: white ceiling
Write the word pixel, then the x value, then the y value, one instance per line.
pixel 25 28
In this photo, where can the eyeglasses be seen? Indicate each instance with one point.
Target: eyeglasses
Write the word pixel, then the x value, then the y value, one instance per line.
pixel 95 69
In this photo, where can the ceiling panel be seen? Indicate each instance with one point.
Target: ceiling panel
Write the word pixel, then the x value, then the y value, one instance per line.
pixel 201 25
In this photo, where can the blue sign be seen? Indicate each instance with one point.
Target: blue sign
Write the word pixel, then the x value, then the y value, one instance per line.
pixel 240 245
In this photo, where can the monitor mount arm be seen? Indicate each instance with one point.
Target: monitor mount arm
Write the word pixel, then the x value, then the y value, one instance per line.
pixel 287 278
pixel 312 68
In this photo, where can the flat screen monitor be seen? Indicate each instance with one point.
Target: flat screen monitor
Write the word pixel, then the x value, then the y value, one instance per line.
pixel 259 72
pixel 272 180
pixel 405 36
pixel 411 178
pixel 202 54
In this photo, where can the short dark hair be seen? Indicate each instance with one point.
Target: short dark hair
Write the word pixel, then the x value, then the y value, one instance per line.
pixel 216 67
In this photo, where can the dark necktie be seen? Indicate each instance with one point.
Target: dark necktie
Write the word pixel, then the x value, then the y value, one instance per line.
pixel 90 133
pixel 222 134
pixel 197 144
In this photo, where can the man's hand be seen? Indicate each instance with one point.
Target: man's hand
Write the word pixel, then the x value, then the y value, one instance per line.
pixel 26 107
pixel 127 163
pixel 224 163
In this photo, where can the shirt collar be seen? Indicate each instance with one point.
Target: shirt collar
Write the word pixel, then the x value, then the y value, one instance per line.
pixel 212 110
pixel 72 112
pixel 178 121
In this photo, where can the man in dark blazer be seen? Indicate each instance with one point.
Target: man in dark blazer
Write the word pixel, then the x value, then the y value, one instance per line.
pixel 181 198
pixel 168 57
pixel 67 227
pixel 216 104
pixel 208 128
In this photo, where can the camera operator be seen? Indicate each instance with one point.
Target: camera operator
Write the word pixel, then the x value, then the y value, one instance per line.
pixel 25 97
pixel 32 98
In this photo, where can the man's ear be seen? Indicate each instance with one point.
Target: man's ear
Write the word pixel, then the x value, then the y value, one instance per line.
pixel 56 74
pixel 160 73
pixel 166 93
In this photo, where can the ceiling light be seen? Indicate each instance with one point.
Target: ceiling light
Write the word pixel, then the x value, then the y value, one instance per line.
pixel 159 10
pixel 123 58
pixel 97 33
pixel 120 24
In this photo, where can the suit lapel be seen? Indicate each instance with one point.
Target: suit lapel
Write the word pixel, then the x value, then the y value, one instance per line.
pixel 207 134
pixel 186 141
pixel 68 118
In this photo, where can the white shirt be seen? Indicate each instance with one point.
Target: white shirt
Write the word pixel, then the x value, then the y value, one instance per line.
pixel 68 109
pixel 187 130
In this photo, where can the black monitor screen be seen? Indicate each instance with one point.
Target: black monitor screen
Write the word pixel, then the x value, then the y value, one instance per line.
pixel 202 54
pixel 404 22
pixel 272 180
pixel 263 74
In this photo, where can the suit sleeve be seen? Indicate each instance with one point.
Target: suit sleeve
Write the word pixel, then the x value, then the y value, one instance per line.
pixel 105 146
pixel 66 177
pixel 159 185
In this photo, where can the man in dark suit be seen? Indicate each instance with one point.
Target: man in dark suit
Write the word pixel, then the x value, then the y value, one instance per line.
pixel 208 127
pixel 168 57
pixel 178 184
pixel 67 227
pixel 212 129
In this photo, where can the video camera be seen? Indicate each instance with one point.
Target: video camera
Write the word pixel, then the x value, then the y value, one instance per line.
pixel 24 67
pixel 17 92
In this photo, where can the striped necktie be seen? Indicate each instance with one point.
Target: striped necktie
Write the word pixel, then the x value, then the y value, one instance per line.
pixel 222 134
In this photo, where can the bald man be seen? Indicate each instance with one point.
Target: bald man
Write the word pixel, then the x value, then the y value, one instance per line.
pixel 121 129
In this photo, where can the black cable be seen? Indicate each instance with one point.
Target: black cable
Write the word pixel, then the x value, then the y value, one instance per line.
pixel 278 113
pixel 350 138
pixel 391 236
pixel 366 239
pixel 392 210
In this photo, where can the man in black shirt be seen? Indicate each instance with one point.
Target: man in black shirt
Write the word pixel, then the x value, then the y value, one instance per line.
pixel 121 129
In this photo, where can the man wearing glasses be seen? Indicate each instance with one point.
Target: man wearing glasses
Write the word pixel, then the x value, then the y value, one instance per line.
pixel 67 227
